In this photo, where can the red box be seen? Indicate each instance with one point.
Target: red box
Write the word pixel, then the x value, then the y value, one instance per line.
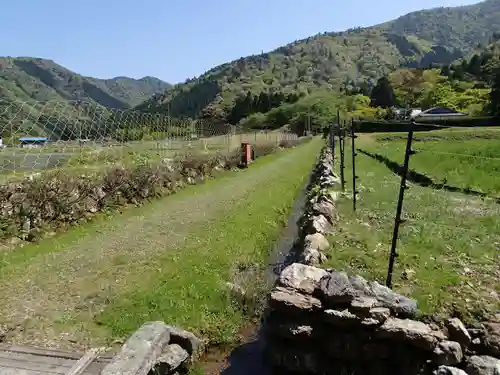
pixel 246 154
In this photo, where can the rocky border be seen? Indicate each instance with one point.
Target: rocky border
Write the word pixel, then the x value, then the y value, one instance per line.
pixel 327 322
pixel 156 349
pixel 320 215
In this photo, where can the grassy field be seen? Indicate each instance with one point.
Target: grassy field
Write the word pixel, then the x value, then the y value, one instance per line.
pixel 449 249
pixel 168 260
pixel 460 159
pixel 17 163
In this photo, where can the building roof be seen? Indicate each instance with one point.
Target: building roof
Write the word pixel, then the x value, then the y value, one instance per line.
pixel 440 111
pixel 415 112
pixel 33 139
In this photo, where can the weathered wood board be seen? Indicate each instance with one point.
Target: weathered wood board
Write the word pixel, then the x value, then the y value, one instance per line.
pixel 21 360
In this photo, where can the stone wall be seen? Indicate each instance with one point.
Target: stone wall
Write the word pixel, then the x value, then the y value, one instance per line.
pixel 320 215
pixel 327 322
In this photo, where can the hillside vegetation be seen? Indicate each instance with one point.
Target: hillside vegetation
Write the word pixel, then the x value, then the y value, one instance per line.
pixel 32 79
pixel 41 98
pixel 432 57
pixel 460 28
pixel 336 61
pixel 469 85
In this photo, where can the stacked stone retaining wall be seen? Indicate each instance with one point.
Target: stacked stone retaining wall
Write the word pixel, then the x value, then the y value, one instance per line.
pixel 323 321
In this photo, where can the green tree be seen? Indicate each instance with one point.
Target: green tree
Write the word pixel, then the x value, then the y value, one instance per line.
pixel 441 95
pixel 474 66
pixel 383 94
pixel 494 105
pixel 445 71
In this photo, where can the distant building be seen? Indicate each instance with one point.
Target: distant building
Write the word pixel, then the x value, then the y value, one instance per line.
pixel 438 113
pixel 398 113
pixel 32 142
pixel 415 112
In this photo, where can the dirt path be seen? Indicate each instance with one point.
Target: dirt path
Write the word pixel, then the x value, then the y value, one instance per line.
pixel 91 268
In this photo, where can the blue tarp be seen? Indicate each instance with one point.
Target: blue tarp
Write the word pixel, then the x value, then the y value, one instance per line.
pixel 33 139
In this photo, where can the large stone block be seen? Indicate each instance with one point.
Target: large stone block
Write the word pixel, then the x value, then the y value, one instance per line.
pixel 482 365
pixel 303 278
pixel 397 303
pixel 337 290
pixel 448 353
pixel 316 241
pixel 290 301
pixel 411 332
pixel 188 341
pixel 458 332
pixel 492 339
pixel 318 224
pixel 173 357
pixel 141 351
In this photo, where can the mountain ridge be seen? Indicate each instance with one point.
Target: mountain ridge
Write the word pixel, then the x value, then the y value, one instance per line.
pixel 333 61
pixel 33 79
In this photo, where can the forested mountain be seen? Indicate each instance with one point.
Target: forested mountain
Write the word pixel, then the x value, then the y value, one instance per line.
pixel 31 79
pixel 335 61
pixel 459 28
pixel 482 64
pixel 41 98
pixel 470 85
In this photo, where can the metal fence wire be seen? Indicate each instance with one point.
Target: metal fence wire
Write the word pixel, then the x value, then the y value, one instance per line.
pixel 37 136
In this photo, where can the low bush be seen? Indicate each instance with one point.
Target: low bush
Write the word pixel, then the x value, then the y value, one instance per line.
pixel 53 201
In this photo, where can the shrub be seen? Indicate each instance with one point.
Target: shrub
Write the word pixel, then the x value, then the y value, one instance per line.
pixel 57 200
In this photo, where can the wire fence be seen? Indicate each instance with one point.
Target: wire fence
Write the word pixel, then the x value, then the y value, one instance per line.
pixel 39 136
pixel 427 218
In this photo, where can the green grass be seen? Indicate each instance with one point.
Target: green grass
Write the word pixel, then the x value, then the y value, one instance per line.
pixel 153 275
pixel 16 163
pixel 467 160
pixel 187 286
pixel 449 246
pixel 12 260
pixel 451 134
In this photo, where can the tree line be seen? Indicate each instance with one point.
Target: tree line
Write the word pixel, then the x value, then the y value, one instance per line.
pixel 263 102
pixel 383 95
pixel 469 81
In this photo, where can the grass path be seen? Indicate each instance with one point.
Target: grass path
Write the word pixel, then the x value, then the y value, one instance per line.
pixel 59 292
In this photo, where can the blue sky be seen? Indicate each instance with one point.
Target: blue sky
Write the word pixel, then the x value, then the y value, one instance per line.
pixel 176 39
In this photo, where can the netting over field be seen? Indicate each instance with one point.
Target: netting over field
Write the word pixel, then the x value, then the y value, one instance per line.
pixel 76 135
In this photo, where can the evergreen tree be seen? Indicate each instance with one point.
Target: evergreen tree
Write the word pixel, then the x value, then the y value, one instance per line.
pixel 248 104
pixel 474 66
pixel 383 94
pixel 494 105
pixel 445 71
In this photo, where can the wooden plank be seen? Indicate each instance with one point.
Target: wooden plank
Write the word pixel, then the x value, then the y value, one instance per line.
pixel 6 356
pixel 39 368
pixel 94 369
pixel 57 353
pixel 13 371
pixel 84 362
pixel 41 351
pixel 21 360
